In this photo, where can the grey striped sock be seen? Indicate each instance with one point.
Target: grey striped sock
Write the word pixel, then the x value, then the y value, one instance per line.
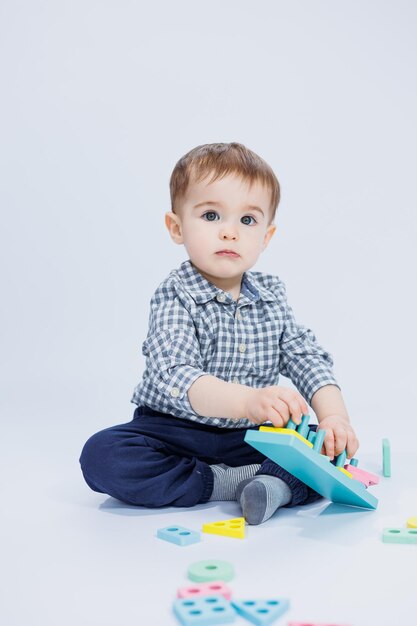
pixel 226 479
pixel 261 496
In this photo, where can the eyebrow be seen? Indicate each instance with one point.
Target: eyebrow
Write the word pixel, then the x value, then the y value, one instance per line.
pixel 211 203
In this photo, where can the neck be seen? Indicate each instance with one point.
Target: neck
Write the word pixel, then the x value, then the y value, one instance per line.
pixel 231 285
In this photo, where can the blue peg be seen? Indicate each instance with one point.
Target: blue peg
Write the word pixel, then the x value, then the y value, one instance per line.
pixel 311 436
pixel 302 429
pixel 341 459
pixel 318 442
pixel 291 425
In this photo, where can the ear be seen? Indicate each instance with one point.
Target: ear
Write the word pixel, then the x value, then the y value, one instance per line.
pixel 173 223
pixel 268 235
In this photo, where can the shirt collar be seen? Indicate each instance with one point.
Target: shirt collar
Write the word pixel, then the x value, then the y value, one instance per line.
pixel 202 290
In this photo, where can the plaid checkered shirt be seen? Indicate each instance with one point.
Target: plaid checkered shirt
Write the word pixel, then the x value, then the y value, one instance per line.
pixel 196 329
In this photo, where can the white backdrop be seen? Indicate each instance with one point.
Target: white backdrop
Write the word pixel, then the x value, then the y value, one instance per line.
pixel 100 99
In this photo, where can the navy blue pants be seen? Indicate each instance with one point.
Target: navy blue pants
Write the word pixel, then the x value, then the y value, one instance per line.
pixel 157 460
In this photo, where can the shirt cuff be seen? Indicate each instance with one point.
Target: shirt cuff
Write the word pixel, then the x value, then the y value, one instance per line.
pixel 315 383
pixel 176 388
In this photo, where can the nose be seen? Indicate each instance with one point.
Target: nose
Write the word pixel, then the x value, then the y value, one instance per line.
pixel 228 231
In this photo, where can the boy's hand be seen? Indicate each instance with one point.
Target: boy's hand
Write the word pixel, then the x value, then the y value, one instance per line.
pixel 275 404
pixel 339 435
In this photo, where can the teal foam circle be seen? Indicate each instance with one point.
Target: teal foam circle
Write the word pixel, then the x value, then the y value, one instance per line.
pixel 206 571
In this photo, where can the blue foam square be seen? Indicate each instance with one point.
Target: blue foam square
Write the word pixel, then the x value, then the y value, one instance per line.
pixel 179 535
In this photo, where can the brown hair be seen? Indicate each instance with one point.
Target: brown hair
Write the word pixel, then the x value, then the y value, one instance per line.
pixel 222 159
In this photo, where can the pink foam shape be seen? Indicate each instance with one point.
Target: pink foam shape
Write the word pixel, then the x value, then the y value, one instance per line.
pixel 362 475
pixel 313 624
pixel 205 589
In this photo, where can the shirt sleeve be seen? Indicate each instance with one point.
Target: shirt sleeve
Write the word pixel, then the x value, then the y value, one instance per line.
pixel 172 351
pixel 307 364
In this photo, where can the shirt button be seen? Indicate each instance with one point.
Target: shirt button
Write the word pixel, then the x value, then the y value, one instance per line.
pixel 221 297
pixel 235 380
pixel 175 392
pixel 242 347
pixel 238 315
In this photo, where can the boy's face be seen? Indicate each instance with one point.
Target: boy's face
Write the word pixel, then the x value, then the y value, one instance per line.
pixel 218 216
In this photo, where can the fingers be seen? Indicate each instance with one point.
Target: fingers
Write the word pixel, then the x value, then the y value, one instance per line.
pixel 278 405
pixel 352 444
pixel 335 441
pixel 339 439
pixel 296 405
pixel 328 444
pixel 281 414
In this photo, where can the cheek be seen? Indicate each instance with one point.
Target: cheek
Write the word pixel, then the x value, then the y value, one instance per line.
pixel 195 235
pixel 255 240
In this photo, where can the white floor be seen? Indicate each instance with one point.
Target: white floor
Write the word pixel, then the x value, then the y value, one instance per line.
pixel 72 556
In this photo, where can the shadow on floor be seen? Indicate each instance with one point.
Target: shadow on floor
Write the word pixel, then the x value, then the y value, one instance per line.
pixel 116 507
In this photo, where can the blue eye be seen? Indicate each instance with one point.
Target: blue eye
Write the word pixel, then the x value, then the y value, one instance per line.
pixel 209 213
pixel 210 216
pixel 250 217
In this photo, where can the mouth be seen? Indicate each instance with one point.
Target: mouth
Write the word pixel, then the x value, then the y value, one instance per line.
pixel 228 253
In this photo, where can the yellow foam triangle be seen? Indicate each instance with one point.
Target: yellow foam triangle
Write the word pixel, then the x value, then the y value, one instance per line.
pixel 228 528
pixel 285 431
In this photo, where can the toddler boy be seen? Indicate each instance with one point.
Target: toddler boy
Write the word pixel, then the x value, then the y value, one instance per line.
pixel 219 336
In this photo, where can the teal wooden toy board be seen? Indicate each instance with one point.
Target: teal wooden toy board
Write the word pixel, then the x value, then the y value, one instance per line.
pixel 312 468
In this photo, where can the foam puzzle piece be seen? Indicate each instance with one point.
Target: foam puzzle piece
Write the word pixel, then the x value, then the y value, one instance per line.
pixel 179 535
pixel 208 571
pixel 314 624
pixel 412 522
pixel 386 458
pixel 345 471
pixel 363 476
pixel 261 612
pixel 285 431
pixel 228 528
pixel 399 535
pixel 205 589
pixel 204 611
pixel 312 468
